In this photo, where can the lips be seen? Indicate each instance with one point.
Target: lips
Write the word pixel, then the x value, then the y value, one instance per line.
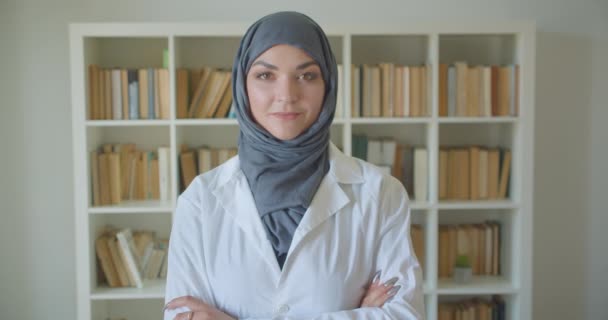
pixel 286 115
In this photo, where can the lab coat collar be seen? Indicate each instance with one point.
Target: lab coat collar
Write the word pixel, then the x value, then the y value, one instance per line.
pixel 329 199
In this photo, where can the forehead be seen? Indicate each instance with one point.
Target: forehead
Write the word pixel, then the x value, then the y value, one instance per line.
pixel 284 54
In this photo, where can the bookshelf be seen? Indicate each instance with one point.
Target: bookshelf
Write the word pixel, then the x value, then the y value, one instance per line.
pixel 190 45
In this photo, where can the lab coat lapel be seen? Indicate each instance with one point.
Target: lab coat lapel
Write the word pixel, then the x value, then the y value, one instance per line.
pixel 237 199
pixel 328 200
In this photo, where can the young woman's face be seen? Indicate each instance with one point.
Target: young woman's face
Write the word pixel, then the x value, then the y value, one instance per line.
pixel 285 89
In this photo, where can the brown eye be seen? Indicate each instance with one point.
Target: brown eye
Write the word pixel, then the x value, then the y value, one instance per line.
pixel 308 76
pixel 262 75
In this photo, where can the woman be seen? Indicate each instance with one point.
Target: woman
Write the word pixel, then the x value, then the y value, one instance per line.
pixel 291 228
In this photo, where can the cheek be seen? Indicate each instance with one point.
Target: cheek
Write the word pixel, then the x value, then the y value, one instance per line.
pixel 259 100
pixel 315 97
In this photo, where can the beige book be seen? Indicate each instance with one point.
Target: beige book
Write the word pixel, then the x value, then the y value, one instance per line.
pixel 115 186
pixel 225 103
pixel 398 92
pixel 443 173
pixel 154 179
pixel 493 172
pixel 124 92
pixel 474 172
pixel 143 93
pixel 95 187
pixel 201 92
pixel 376 93
pixel 182 93
pixel 123 278
pixel 188 168
pixel 218 92
pixel 461 88
pixel 105 259
pixel 104 178
pixel 483 173
pixel 415 99
pixel 156 94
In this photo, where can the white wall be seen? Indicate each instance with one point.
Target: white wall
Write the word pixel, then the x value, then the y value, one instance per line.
pixel 37 229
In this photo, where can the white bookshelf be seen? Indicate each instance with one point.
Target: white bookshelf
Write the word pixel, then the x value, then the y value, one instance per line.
pixel 196 44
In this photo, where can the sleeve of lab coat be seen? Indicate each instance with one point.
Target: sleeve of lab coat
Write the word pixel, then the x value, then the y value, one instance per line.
pixel 395 258
pixel 185 273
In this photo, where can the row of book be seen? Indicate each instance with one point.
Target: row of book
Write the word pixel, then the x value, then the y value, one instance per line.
pixel 204 93
pixel 378 90
pixel 409 164
pixel 128 94
pixel 389 90
pixel 473 309
pixel 474 173
pixel 200 160
pixel 478 90
pixel 121 172
pixel 480 242
pixel 126 257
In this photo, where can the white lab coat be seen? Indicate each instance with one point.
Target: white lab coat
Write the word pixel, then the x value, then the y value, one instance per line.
pixel 358 223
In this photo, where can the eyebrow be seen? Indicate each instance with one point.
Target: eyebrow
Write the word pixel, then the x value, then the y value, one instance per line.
pixel 273 67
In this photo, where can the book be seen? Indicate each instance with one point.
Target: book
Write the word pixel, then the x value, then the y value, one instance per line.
pixel 130 255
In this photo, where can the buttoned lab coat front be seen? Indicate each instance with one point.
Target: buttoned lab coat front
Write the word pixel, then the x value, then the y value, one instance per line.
pixel 358 223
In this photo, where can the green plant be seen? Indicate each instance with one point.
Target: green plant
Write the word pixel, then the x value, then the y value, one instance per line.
pixel 462 261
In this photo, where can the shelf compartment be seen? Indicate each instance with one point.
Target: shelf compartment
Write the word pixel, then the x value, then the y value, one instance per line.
pixel 125 52
pixel 490 303
pixel 487 49
pixel 131 308
pixel 398 49
pixel 159 224
pixel 469 234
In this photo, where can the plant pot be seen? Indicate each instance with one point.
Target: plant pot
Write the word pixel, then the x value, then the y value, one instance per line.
pixel 463 275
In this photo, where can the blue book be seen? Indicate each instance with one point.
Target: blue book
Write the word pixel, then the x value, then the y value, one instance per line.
pixel 151 91
pixel 132 77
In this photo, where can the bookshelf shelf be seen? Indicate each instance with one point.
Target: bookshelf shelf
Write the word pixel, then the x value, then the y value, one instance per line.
pixel 153 289
pixel 478 119
pixel 126 123
pixel 479 285
pixel 414 120
pixel 476 205
pixel 142 206
pixel 195 45
pixel 204 122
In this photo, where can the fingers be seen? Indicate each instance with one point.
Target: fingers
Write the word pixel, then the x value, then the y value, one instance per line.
pixel 378 293
pixel 389 294
pixel 184 316
pixel 190 302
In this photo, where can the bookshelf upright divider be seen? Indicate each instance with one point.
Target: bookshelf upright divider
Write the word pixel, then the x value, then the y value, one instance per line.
pixel 194 45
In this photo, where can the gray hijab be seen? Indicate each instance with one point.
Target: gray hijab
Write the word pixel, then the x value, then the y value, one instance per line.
pixel 283 174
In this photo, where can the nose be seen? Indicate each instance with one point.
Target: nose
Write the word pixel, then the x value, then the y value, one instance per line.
pixel 287 90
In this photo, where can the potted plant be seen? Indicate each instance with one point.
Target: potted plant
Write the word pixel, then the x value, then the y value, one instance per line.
pixel 462 269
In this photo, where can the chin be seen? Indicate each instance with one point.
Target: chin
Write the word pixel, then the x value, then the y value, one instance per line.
pixel 286 135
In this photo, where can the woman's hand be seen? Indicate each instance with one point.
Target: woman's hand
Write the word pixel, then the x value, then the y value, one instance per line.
pixel 198 310
pixel 378 293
